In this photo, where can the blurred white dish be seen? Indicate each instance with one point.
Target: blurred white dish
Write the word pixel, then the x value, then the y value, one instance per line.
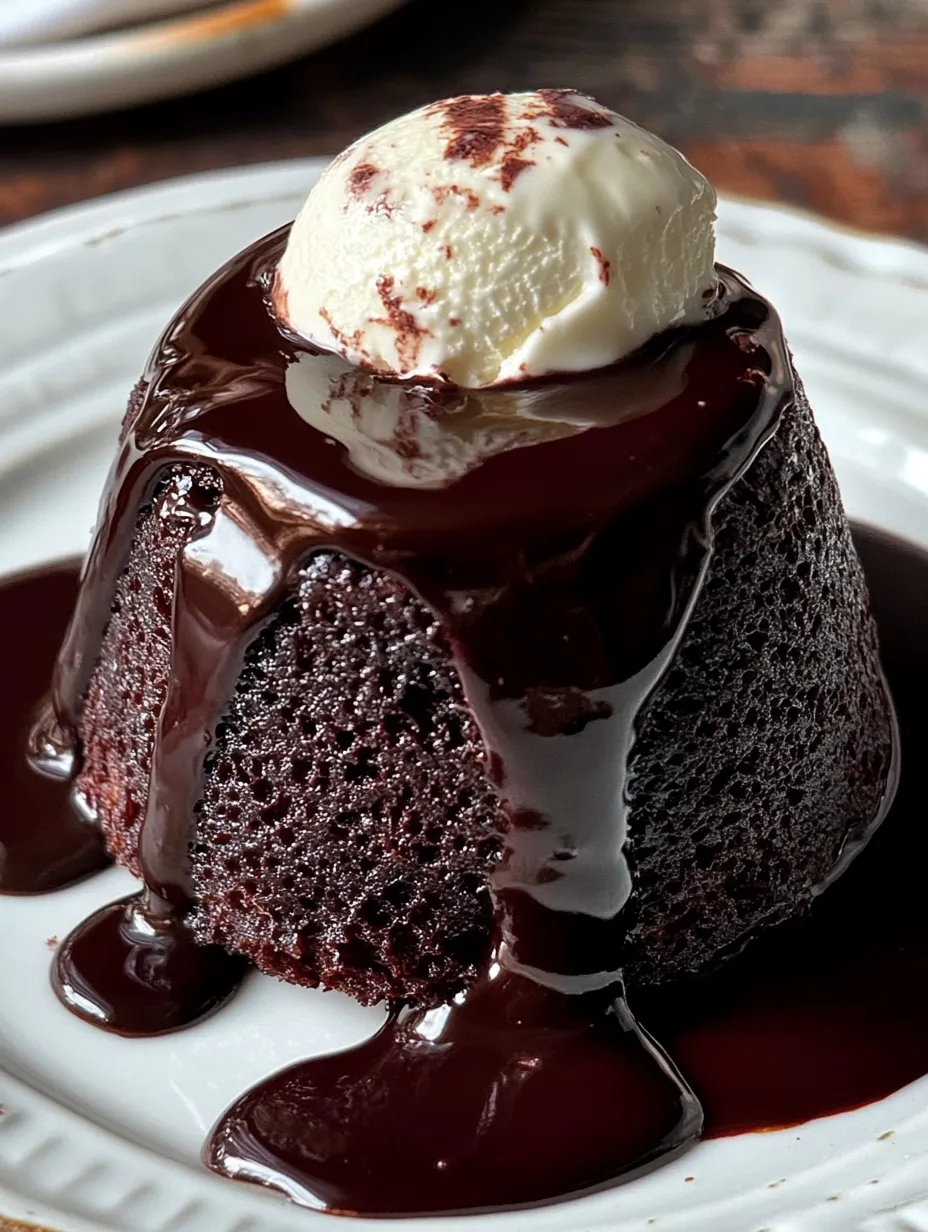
pixel 49 21
pixel 101 1133
pixel 163 59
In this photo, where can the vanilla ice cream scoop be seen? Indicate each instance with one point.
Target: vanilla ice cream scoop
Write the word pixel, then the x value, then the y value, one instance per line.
pixel 499 237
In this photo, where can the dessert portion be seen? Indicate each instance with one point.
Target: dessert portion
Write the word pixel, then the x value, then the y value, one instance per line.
pixel 473 624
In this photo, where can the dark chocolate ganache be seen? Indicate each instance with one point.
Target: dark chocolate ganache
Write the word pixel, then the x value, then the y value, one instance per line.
pixel 560 530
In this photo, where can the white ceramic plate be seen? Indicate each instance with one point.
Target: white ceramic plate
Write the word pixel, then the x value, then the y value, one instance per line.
pixel 168 58
pixel 100 1133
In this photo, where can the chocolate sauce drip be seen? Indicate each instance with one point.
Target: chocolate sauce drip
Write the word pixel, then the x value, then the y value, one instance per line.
pixel 44 844
pixel 563 573
pixel 136 969
pixel 464 1108
pixel 828 1012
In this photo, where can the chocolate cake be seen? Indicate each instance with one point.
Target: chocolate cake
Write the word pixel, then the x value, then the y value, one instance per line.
pixel 496 703
pixel 348 822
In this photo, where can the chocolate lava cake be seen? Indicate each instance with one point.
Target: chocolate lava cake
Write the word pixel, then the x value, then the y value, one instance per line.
pixel 349 814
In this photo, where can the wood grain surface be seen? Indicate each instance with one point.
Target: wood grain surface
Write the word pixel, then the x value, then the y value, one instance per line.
pixel 821 103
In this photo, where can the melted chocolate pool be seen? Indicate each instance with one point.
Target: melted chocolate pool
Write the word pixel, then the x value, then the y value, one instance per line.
pixel 43 843
pixel 514 1096
pixel 816 1017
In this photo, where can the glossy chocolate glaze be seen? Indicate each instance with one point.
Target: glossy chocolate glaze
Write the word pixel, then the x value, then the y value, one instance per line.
pixel 560 530
pixel 513 1096
pixel 132 971
pixel 819 1016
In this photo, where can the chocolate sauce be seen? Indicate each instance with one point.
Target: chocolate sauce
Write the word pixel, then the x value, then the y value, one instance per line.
pixel 816 1017
pixel 44 844
pixel 561 531
pixel 819 1016
pixel 138 970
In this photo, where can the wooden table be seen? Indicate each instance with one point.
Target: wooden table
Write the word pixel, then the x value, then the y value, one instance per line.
pixel 821 103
